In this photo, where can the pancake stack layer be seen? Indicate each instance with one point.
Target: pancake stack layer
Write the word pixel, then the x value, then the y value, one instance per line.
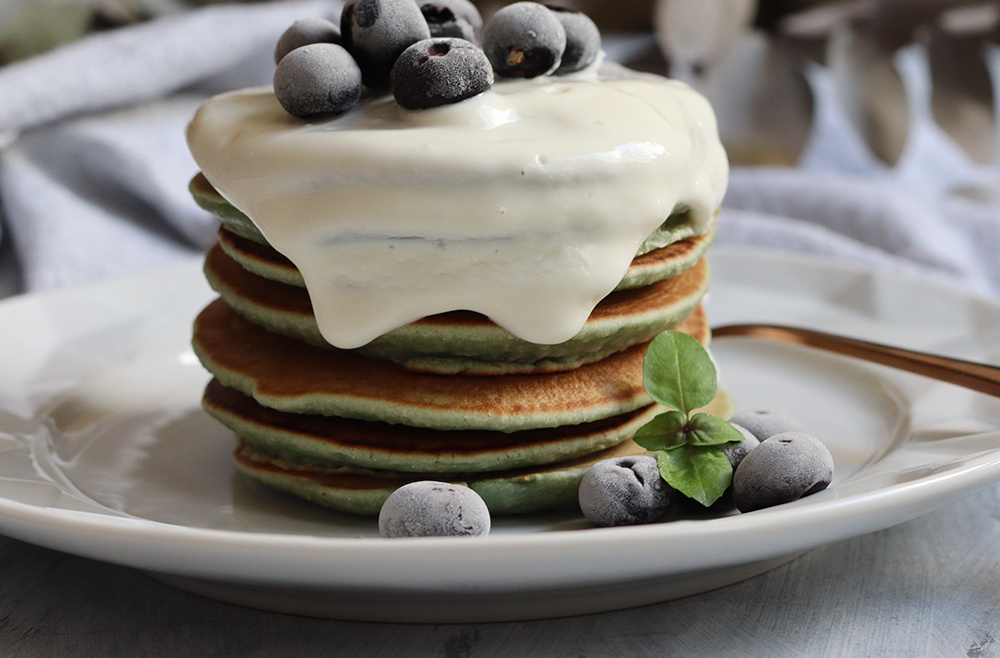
pixel 450 397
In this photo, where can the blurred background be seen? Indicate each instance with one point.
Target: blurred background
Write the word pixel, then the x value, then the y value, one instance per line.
pixel 857 129
pixel 752 57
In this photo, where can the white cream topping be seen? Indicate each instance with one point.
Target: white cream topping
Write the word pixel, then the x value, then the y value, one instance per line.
pixel 526 203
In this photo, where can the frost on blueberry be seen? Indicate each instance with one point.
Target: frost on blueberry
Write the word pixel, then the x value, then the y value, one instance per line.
pixel 735 452
pixel 375 32
pixel 453 18
pixel 433 509
pixel 583 39
pixel 304 32
pixel 316 79
pixel 781 469
pixel 439 71
pixel 524 40
pixel 624 491
pixel 765 424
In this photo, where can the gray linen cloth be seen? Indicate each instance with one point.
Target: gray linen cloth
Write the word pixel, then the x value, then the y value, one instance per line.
pixel 94 166
pixel 94 169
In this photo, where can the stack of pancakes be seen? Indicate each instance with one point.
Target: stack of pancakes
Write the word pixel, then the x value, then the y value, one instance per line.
pixel 450 397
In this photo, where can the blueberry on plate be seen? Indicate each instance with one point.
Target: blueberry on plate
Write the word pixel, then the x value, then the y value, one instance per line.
pixel 781 469
pixel 377 31
pixel 765 424
pixel 624 491
pixel 438 71
pixel 453 18
pixel 736 452
pixel 524 40
pixel 433 509
pixel 583 39
pixel 317 79
pixel 304 32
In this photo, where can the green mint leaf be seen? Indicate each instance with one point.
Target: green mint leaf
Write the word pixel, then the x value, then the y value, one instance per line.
pixel 708 430
pixel 664 432
pixel 699 472
pixel 678 373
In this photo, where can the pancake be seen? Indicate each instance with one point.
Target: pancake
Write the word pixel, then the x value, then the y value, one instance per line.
pixel 326 442
pixel 653 266
pixel 519 491
pixel 466 342
pixel 234 220
pixel 516 491
pixel 290 375
pixel 675 229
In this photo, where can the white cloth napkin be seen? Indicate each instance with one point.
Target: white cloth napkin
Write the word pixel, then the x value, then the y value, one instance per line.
pixel 94 166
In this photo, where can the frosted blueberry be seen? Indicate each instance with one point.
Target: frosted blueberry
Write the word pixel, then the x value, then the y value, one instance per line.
pixel 453 18
pixel 438 71
pixel 624 491
pixel 433 509
pixel 377 31
pixel 781 469
pixel 735 452
pixel 765 424
pixel 583 39
pixel 316 79
pixel 524 40
pixel 304 32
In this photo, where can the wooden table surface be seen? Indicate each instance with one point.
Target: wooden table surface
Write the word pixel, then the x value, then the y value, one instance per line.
pixel 929 587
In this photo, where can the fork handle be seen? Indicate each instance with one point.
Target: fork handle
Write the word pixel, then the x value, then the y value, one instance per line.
pixel 979 377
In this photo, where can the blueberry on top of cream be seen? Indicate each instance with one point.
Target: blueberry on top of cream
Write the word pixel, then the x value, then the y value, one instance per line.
pixel 524 40
pixel 377 31
pixel 438 71
pixel 583 39
pixel 453 18
pixel 304 32
pixel 315 79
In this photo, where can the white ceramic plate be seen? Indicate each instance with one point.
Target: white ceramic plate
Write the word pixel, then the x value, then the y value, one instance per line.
pixel 106 454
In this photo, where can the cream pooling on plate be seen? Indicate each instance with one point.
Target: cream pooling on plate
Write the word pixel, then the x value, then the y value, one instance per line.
pixel 526 203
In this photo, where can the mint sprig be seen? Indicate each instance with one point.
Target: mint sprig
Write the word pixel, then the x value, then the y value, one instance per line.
pixel 679 374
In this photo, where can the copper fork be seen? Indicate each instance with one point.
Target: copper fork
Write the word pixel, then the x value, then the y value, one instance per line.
pixel 979 377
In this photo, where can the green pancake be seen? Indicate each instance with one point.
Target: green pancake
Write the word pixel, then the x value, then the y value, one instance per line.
pixel 362 491
pixel 465 342
pixel 519 491
pixel 290 375
pixel 232 219
pixel 653 266
pixel 329 442
pixel 675 228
